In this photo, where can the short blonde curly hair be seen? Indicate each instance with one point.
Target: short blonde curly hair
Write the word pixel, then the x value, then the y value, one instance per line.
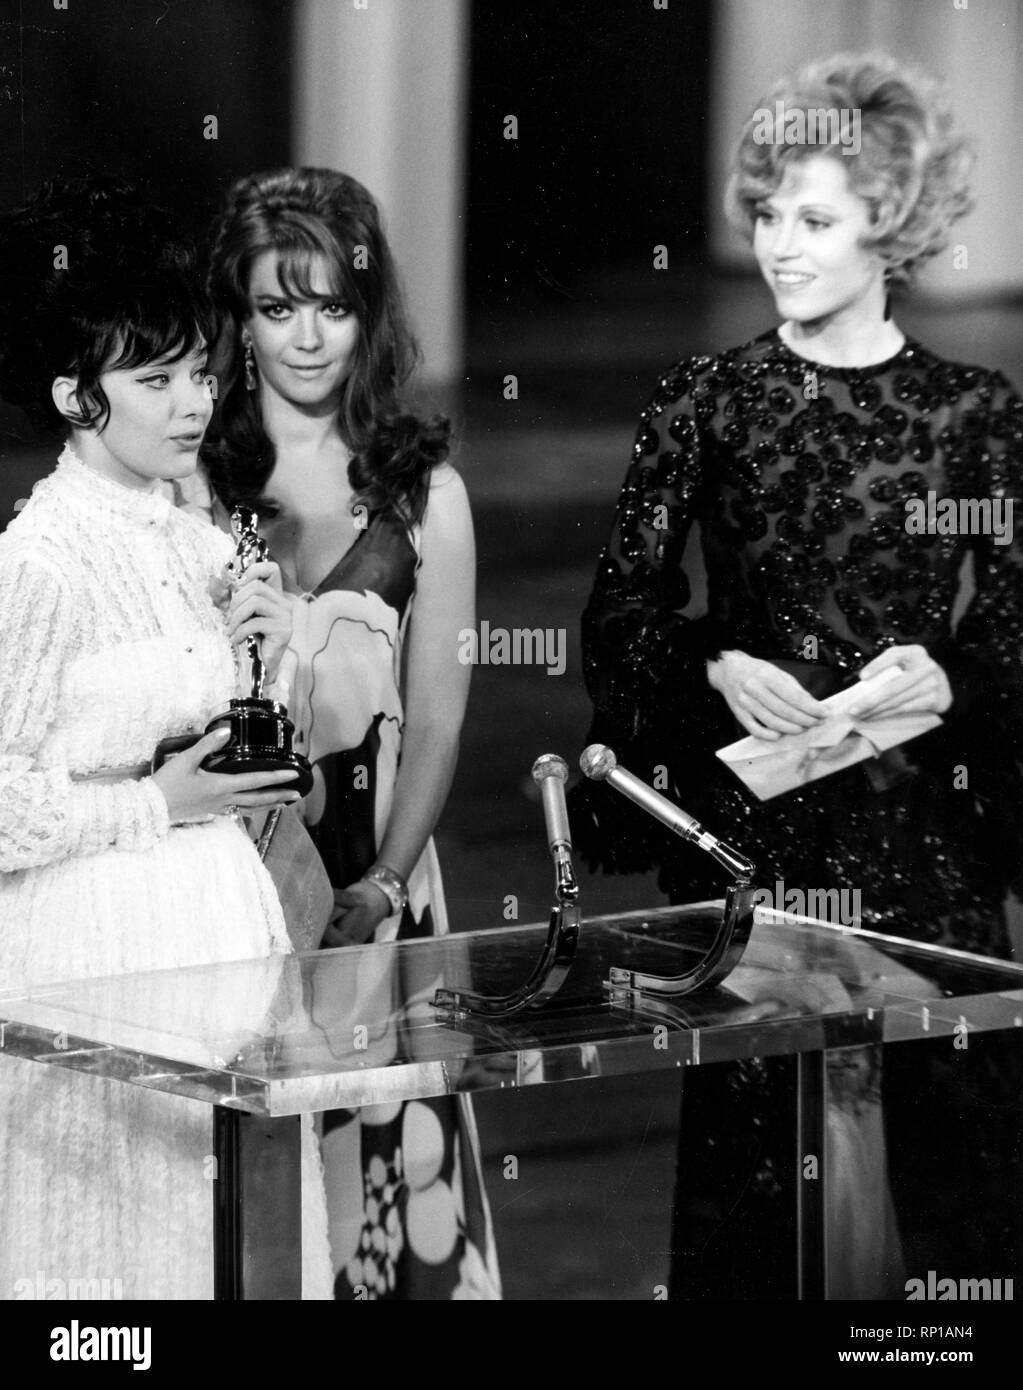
pixel 913 167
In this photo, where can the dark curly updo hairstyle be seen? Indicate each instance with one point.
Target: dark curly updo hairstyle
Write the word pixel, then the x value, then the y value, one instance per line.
pixel 91 280
pixel 302 215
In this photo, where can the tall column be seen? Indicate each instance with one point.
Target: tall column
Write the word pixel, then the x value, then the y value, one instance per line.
pixel 381 93
pixel 976 46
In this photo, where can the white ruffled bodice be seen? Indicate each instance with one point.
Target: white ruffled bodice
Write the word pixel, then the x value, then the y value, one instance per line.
pixel 110 642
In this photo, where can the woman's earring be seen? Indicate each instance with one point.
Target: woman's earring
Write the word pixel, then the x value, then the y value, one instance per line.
pixel 250 365
pixel 887 295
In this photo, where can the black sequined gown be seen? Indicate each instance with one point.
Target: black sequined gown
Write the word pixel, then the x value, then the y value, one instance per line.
pixel 797 474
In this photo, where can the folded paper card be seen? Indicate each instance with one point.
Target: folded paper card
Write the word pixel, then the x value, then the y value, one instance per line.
pixel 842 739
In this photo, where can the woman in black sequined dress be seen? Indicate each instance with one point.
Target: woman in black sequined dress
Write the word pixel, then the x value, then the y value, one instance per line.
pixel 796 455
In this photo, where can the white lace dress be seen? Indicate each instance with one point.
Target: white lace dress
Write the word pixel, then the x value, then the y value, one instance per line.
pixel 109 642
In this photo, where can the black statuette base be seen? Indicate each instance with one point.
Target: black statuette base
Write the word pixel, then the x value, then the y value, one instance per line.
pixel 262 740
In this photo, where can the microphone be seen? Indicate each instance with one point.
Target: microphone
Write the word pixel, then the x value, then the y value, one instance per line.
pixel 550 773
pixel 600 764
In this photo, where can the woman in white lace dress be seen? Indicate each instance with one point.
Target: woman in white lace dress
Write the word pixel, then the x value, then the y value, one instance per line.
pixel 110 641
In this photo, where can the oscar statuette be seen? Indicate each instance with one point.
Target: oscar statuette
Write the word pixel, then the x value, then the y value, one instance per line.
pixel 262 735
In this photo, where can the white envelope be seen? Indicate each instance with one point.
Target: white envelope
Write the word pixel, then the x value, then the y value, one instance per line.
pixel 770 768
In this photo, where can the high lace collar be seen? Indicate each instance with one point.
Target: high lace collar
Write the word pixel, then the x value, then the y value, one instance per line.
pixel 87 488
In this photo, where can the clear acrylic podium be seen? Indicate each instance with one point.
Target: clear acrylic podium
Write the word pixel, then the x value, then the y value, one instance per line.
pixel 262 1042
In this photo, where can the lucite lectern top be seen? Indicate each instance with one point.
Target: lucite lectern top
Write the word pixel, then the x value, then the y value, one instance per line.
pixel 352 1027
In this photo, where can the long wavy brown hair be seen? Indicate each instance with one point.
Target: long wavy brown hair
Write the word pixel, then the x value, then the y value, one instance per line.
pixel 302 215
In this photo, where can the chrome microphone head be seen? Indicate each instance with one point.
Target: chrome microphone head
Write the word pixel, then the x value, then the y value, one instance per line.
pixel 550 765
pixel 597 761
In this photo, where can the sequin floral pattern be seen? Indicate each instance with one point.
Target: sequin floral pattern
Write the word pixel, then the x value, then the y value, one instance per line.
pixel 799 474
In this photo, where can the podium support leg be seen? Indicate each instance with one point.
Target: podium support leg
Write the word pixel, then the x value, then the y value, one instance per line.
pixel 257 1216
pixel 811 1194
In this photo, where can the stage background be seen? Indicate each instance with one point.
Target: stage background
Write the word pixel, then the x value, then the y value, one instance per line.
pixel 530 257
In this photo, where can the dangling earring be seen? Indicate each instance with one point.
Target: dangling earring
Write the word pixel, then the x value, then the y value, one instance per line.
pixel 250 364
pixel 887 295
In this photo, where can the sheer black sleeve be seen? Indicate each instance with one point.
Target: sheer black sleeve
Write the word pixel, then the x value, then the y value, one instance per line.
pixel 983 659
pixel 644 658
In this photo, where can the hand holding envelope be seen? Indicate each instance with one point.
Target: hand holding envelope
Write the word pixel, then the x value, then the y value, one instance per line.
pixel 845 737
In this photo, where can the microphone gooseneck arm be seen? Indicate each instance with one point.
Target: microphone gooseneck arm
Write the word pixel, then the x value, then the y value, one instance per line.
pixel 641 990
pixel 548 974
pixel 600 764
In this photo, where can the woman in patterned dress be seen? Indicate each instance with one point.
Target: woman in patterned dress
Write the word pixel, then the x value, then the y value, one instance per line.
pixel 373 534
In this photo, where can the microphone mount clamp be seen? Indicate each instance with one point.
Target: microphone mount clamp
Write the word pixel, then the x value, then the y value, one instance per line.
pixel 550 971
pixel 639 989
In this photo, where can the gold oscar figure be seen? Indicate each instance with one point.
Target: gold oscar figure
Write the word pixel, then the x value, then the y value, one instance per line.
pixel 262 735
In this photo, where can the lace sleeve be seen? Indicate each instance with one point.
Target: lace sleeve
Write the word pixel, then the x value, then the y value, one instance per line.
pixel 984 658
pixel 44 816
pixel 644 659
